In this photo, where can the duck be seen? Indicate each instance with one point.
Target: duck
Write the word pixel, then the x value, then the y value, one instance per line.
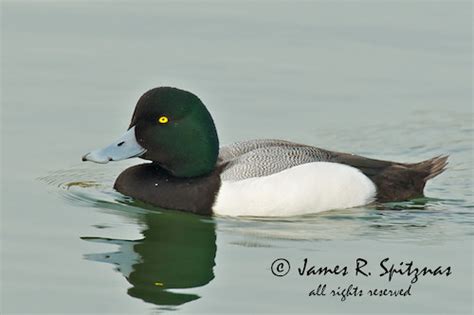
pixel 187 169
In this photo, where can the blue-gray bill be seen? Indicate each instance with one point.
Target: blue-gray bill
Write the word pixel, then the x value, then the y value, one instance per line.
pixel 125 147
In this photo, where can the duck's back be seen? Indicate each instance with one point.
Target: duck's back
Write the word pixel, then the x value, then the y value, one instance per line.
pixel 257 158
pixel 259 168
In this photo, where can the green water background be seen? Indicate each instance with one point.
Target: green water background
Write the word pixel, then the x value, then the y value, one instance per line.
pixel 390 80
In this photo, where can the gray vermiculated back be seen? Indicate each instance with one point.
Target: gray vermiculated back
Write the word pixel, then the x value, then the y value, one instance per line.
pixel 255 158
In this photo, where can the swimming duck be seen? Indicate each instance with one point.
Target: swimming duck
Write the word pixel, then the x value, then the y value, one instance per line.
pixel 188 171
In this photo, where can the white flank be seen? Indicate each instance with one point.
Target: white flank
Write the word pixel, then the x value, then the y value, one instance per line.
pixel 303 189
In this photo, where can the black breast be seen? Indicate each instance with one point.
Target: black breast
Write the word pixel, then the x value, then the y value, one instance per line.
pixel 151 184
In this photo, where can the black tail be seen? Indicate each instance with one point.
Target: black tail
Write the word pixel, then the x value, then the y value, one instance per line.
pixel 433 167
pixel 396 181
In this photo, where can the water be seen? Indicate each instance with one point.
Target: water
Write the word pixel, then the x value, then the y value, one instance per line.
pixel 387 80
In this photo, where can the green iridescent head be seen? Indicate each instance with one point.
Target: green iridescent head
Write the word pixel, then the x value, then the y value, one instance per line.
pixel 170 127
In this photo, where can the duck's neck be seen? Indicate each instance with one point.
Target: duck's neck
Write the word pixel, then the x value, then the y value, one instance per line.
pixel 198 159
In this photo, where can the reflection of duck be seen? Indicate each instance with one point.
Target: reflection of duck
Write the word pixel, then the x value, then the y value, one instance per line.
pixel 173 128
pixel 177 252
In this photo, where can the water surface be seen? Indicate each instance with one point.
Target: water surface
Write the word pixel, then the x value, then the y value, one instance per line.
pixel 390 80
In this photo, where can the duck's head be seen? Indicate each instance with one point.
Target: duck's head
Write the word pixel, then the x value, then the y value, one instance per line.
pixel 171 127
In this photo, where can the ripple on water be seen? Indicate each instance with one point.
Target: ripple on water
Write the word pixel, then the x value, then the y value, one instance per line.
pixel 90 187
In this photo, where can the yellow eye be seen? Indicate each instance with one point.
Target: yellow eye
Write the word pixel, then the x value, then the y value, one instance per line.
pixel 163 119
